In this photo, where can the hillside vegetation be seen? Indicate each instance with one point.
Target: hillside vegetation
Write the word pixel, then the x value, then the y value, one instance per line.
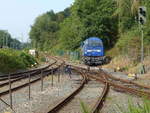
pixel 13 60
pixel 112 20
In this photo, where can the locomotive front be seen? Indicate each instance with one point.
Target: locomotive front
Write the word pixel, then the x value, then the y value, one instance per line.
pixel 93 51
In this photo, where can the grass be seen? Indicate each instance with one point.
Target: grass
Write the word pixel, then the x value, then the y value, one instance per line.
pixel 132 108
pixel 138 108
pixel 84 107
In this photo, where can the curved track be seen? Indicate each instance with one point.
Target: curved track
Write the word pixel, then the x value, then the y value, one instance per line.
pixel 46 71
pixel 120 86
pixel 99 104
pixel 70 97
pixel 100 76
pixel 20 74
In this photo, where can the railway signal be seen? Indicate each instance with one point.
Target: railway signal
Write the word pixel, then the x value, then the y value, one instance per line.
pixel 142 15
pixel 142 21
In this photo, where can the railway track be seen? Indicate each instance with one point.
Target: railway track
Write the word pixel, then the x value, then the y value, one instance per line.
pixel 20 74
pixel 16 77
pixel 24 73
pixel 133 89
pixel 48 70
pixel 123 81
pixel 101 76
pixel 71 96
pixel 117 83
pixel 121 84
pixel 99 104
pixel 97 107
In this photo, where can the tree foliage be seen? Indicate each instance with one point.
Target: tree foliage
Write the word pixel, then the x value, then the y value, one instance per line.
pixel 44 32
pixel 7 41
pixel 130 31
pixel 67 29
pixel 112 20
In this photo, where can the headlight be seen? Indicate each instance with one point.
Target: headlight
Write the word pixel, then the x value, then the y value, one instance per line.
pixel 89 50
pixel 98 50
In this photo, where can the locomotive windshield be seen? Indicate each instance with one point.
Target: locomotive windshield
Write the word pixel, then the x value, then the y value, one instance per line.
pixel 94 43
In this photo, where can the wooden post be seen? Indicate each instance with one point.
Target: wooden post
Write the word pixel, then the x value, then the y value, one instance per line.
pixel 59 74
pixel 52 76
pixel 10 92
pixel 41 80
pixel 63 70
pixel 29 86
pixel 88 68
pixel 69 70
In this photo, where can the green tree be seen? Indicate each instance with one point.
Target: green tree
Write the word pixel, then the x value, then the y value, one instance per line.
pixel 43 33
pixel 71 34
pixel 7 41
pixel 89 18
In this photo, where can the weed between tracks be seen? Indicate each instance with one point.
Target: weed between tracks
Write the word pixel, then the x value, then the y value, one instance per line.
pixel 84 107
pixel 132 107
pixel 136 108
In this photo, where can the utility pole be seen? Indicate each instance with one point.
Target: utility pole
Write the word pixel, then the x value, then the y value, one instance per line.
pixel 142 45
pixel 142 21
pixel 3 40
pixel 6 40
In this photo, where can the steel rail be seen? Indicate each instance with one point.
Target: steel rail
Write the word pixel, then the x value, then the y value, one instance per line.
pixel 19 74
pixel 45 72
pixel 18 79
pixel 125 81
pixel 24 72
pixel 70 97
pixel 122 87
pixel 118 79
pixel 25 76
pixel 99 104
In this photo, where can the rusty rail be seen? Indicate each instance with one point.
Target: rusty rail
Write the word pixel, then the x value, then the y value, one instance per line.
pixel 20 74
pixel 122 87
pixel 45 72
pixel 98 106
pixel 70 97
pixel 124 81
pixel 24 75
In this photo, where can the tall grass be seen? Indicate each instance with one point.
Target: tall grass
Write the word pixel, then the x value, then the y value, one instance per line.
pixel 84 107
pixel 132 108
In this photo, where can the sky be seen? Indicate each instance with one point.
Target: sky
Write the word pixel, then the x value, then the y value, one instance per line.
pixel 17 16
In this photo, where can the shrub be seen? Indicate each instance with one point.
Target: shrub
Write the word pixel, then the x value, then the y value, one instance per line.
pixel 28 60
pixel 12 60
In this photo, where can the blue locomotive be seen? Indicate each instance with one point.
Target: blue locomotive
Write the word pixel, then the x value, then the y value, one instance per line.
pixel 93 51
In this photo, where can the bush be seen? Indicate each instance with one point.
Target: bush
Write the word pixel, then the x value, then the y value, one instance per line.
pixel 12 60
pixel 28 60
